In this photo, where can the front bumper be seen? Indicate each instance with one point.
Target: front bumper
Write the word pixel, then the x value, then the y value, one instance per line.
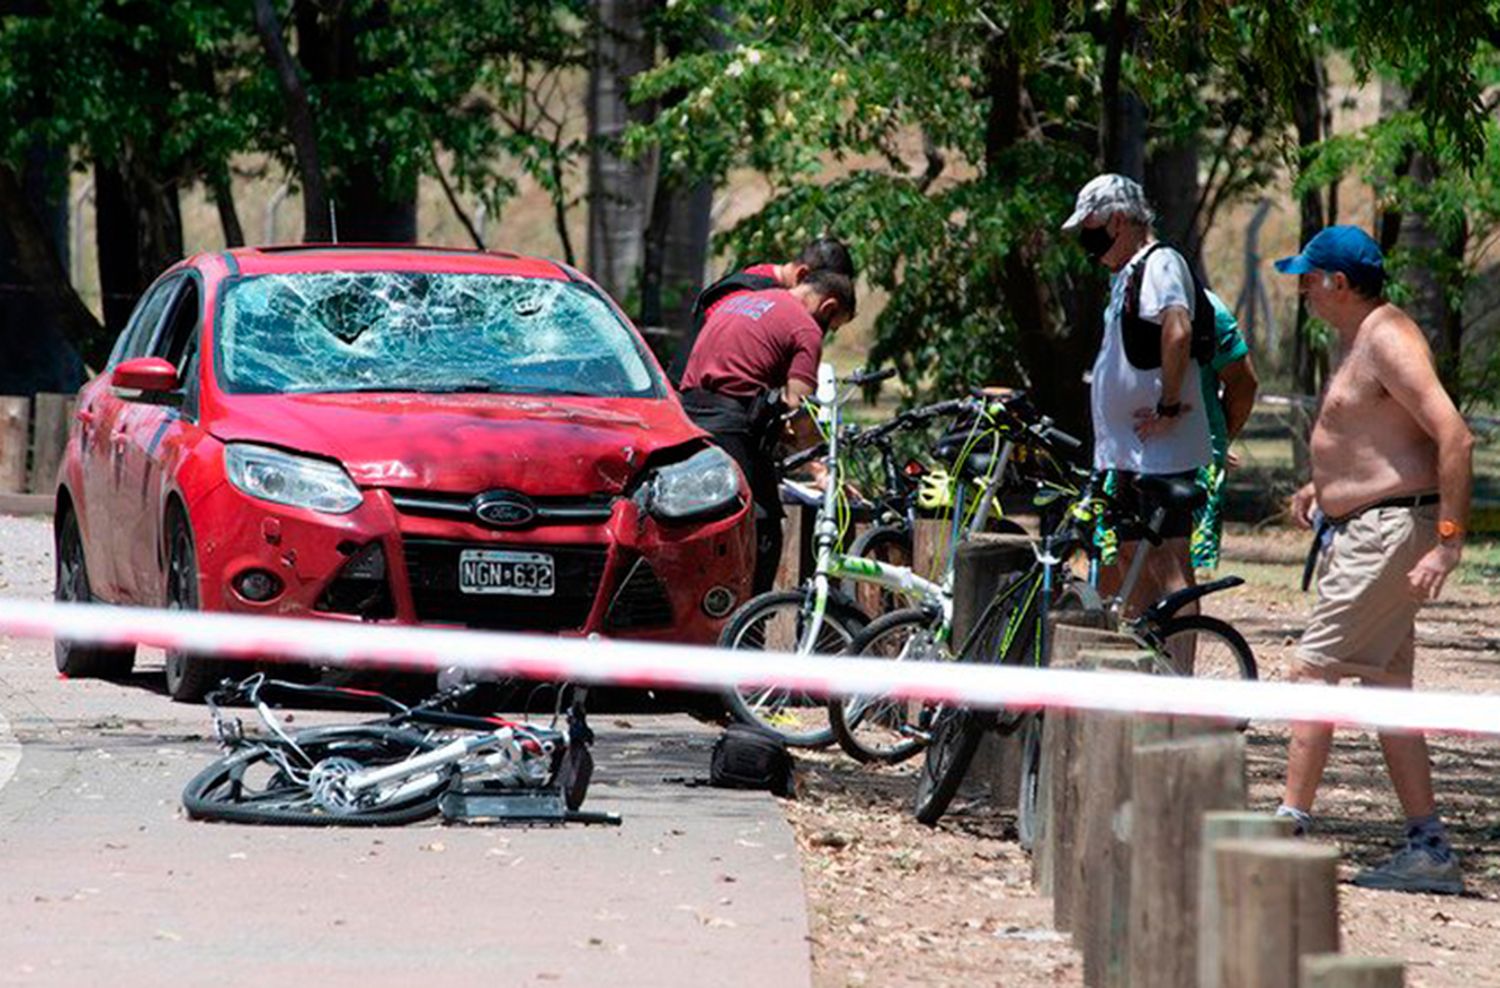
pixel 619 572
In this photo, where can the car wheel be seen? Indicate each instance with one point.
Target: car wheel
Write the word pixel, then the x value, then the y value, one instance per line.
pixel 189 676
pixel 80 660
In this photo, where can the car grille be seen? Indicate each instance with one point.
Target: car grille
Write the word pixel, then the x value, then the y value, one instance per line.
pixel 641 601
pixel 589 509
pixel 432 567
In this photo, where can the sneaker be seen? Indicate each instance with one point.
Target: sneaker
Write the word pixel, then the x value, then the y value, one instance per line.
pixel 1414 870
pixel 1301 822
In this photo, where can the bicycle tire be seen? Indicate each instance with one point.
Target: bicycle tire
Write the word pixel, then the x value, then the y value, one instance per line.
pixel 956 732
pixel 219 793
pixel 1238 660
pixel 797 718
pixel 1029 800
pixel 847 715
pixel 886 544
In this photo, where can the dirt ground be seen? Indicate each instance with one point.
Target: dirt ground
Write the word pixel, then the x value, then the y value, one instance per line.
pixel 895 903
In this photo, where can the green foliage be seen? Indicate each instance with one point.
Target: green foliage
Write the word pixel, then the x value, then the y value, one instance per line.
pixel 877 121
pixel 394 84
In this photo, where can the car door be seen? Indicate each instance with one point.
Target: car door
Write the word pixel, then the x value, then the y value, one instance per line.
pixel 100 443
pixel 153 434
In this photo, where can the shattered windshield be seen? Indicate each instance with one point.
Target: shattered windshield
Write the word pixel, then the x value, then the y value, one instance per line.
pixel 430 332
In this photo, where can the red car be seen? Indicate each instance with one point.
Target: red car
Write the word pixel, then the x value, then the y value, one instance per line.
pixel 406 435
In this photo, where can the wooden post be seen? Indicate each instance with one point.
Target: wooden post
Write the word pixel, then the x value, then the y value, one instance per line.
pixel 980 567
pixel 796 546
pixel 15 422
pixel 1224 825
pixel 54 413
pixel 1101 862
pixel 1174 784
pixel 1065 790
pixel 1067 639
pixel 930 535
pixel 1278 901
pixel 1337 971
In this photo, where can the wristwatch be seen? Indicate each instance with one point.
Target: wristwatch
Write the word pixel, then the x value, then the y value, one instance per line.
pixel 1450 529
pixel 1165 411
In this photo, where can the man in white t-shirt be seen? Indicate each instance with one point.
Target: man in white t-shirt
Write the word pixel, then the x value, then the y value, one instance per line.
pixel 1149 419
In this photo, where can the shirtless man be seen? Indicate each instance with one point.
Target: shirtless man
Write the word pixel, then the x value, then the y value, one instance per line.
pixel 1391 473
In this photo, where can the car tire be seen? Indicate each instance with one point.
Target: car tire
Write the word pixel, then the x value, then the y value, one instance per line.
pixel 189 677
pixel 70 585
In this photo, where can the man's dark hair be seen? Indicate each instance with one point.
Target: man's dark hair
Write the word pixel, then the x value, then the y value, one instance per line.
pixel 831 284
pixel 827 254
pixel 1367 282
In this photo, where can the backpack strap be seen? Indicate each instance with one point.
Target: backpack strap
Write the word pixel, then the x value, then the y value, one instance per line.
pixel 1137 277
pixel 1145 353
pixel 728 285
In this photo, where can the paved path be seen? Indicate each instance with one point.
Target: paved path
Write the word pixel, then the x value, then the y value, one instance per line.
pixel 102 879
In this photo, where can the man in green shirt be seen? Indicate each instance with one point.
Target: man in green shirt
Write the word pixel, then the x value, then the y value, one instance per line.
pixel 1229 386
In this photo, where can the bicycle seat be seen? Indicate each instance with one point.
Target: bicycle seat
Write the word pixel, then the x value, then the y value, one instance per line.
pixel 1172 493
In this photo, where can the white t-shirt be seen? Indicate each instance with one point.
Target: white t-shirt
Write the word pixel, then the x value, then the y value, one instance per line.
pixel 1120 390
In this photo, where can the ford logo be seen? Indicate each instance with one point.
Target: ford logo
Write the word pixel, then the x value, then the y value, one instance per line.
pixel 504 509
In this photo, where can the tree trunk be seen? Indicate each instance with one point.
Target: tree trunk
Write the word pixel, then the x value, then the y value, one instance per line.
pixel 301 125
pixel 1123 125
pixel 1053 351
pixel 222 192
pixel 44 325
pixel 619 190
pixel 1308 365
pixel 139 232
pixel 366 213
pixel 676 253
pixel 1172 187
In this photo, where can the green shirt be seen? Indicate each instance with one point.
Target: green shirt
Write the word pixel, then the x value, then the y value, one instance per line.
pixel 1229 346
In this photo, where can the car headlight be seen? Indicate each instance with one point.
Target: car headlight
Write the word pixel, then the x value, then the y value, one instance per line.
pixel 299 481
pixel 705 482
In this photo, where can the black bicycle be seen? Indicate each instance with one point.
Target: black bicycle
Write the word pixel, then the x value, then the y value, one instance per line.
pixel 1013 629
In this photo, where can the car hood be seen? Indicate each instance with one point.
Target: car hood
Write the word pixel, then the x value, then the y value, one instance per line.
pixel 465 443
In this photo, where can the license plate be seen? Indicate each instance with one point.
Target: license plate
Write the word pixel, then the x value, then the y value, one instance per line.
pixel 504 571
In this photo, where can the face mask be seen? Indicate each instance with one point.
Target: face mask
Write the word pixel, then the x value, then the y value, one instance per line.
pixel 1096 241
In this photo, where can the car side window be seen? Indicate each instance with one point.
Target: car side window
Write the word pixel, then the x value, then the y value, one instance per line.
pixel 177 341
pixel 180 326
pixel 141 328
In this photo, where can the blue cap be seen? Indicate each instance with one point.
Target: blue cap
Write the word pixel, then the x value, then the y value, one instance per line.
pixel 1336 248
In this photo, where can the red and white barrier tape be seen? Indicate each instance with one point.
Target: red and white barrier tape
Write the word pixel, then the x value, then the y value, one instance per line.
pixel 651 664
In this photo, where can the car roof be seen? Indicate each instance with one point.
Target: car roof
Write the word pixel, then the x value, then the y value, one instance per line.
pixel 293 258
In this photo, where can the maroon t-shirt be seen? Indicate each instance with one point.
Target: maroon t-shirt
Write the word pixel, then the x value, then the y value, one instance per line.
pixel 754 341
pixel 758 270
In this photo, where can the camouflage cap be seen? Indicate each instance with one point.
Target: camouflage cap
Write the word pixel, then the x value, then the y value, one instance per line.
pixel 1106 195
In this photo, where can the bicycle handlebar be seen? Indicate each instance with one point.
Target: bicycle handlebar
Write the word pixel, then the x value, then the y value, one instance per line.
pixel 863 377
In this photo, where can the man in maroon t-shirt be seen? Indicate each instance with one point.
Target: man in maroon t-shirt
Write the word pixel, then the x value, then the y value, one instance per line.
pixel 754 343
pixel 822 254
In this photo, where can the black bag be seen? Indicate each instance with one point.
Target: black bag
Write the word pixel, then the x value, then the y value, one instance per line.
pixel 747 758
pixel 1142 338
pixel 728 285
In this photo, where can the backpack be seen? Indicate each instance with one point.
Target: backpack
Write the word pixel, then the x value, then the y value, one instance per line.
pixel 724 287
pixel 1142 338
pixel 745 757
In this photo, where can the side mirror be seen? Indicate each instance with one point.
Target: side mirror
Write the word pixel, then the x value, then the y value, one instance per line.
pixel 151 376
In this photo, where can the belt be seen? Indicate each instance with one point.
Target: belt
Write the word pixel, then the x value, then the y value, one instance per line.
pixel 1326 524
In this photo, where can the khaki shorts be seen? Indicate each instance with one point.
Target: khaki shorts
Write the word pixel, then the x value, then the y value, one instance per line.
pixel 1365 621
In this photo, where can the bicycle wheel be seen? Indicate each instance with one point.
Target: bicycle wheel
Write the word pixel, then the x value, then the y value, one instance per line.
pixel 887 544
pixel 1005 632
pixel 1205 647
pixel 1028 803
pixel 776 621
pixel 882 728
pixel 252 786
